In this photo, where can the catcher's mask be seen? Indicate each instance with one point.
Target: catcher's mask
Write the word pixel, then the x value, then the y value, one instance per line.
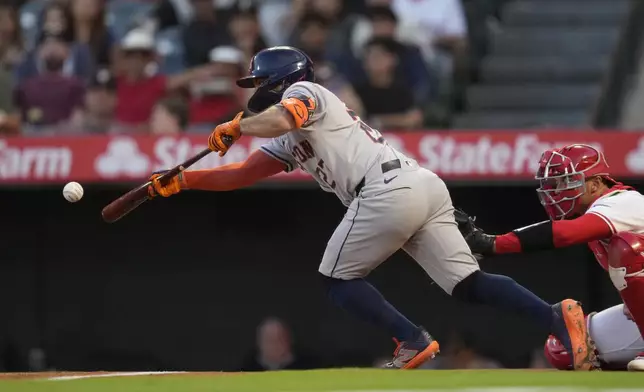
pixel 562 176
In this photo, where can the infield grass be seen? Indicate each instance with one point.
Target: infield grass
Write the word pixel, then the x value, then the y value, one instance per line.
pixel 364 380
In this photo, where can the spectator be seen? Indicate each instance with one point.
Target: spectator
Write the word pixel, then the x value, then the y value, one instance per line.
pixel 169 117
pixel 11 43
pixel 9 119
pixel 51 97
pixel 245 31
pixel 387 101
pixel 383 23
pixel 100 105
pixel 442 23
pixel 219 99
pixel 342 23
pixel 56 22
pixel 203 33
pixel 90 29
pixel 139 86
pixel 275 350
pixel 313 37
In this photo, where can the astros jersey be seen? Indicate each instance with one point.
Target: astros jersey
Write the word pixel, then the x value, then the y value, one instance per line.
pixel 622 210
pixel 333 145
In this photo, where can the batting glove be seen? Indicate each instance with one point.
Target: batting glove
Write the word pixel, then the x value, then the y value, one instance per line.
pixel 225 135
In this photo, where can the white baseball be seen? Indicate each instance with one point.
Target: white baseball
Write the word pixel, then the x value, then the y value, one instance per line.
pixel 73 192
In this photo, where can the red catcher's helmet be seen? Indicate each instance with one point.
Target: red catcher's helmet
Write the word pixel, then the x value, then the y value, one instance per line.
pixel 562 174
pixel 556 354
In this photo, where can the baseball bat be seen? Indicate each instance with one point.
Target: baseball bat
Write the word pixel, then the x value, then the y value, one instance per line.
pixel 139 195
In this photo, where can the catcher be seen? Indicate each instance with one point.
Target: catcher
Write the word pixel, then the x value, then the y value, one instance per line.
pixel 585 205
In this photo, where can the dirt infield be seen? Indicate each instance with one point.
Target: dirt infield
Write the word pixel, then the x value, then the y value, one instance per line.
pixel 53 376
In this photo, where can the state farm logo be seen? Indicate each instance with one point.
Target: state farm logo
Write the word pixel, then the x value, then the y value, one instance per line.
pixel 122 158
pixel 34 162
pixel 635 159
pixel 515 155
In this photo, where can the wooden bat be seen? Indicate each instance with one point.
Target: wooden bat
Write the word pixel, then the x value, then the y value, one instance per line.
pixel 139 195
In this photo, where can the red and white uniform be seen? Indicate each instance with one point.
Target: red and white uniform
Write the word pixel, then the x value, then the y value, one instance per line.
pixel 622 210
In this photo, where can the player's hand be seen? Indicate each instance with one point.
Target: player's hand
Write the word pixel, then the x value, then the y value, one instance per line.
pixel 480 243
pixel 174 186
pixel 225 135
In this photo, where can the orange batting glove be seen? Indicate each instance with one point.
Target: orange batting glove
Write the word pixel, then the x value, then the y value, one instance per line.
pixel 225 135
pixel 174 186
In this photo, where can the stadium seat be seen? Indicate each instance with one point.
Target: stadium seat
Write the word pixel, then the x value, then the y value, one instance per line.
pixel 581 69
pixel 504 120
pixel 554 41
pixel 532 97
pixel 565 13
pixel 170 48
pixel 123 14
pixel 29 15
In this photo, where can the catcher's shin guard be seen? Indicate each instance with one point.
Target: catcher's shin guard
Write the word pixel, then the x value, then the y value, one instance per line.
pixel 626 269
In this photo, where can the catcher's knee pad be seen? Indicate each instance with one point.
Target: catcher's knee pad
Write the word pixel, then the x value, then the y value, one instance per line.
pixel 625 258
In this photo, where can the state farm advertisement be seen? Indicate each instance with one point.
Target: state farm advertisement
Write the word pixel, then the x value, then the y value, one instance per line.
pixel 509 156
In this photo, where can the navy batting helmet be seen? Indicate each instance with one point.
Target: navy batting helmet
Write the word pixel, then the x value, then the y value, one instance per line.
pixel 272 71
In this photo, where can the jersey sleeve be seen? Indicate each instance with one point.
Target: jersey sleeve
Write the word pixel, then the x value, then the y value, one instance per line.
pixel 276 149
pixel 622 211
pixel 305 102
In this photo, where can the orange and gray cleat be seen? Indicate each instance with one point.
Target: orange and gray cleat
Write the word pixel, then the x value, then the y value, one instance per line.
pixel 413 353
pixel 580 344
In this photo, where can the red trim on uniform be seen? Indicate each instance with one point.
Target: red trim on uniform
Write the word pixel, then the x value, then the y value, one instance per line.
pixel 586 228
pixel 507 243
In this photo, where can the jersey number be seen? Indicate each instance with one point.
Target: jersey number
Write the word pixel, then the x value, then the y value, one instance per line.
pixel 372 133
pixel 322 174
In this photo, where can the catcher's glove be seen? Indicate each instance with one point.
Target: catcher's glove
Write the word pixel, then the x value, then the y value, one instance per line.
pixel 480 243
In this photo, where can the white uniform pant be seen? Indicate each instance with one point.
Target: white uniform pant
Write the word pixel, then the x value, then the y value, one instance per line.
pixel 412 211
pixel 617 338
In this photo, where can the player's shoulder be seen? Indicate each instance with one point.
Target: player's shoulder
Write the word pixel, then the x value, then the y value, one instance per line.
pixel 621 198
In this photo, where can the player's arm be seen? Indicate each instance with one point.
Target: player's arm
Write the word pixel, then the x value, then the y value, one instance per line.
pixel 272 122
pixel 297 109
pixel 237 175
pixel 539 236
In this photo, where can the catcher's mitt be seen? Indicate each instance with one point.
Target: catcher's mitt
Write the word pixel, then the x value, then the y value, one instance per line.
pixel 480 243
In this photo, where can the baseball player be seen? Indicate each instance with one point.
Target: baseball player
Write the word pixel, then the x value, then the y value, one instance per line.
pixel 391 201
pixel 585 205
pixel 617 340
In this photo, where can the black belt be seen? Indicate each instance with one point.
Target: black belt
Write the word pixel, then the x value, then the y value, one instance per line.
pixel 385 167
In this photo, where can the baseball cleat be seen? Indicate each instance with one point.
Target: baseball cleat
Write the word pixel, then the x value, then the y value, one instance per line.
pixel 637 364
pixel 578 340
pixel 411 354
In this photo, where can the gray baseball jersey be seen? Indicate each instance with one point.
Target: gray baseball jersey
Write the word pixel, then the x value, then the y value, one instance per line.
pixel 393 202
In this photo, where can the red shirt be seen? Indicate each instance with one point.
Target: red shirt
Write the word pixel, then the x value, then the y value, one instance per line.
pixel 137 99
pixel 49 98
pixel 211 108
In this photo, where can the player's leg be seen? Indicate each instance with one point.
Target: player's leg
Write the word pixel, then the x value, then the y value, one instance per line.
pixel 617 340
pixel 626 268
pixel 442 252
pixel 372 229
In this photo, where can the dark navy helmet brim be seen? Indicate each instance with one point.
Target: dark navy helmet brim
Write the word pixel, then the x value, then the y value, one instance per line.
pixel 246 82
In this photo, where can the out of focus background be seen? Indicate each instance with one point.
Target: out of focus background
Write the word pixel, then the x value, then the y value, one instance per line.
pixel 105 92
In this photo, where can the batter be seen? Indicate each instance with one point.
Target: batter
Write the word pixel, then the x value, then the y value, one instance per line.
pixel 392 202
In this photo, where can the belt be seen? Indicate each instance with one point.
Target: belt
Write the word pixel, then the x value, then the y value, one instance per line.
pixel 385 167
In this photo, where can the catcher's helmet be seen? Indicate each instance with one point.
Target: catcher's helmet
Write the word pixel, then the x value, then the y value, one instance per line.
pixel 556 354
pixel 272 71
pixel 562 174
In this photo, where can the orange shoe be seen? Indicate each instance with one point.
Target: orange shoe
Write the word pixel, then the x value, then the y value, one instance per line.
pixel 583 348
pixel 413 353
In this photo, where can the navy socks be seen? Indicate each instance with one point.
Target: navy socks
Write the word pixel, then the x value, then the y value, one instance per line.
pixel 361 299
pixel 505 294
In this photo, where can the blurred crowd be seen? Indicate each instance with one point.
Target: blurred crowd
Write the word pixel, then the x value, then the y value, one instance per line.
pixel 168 66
